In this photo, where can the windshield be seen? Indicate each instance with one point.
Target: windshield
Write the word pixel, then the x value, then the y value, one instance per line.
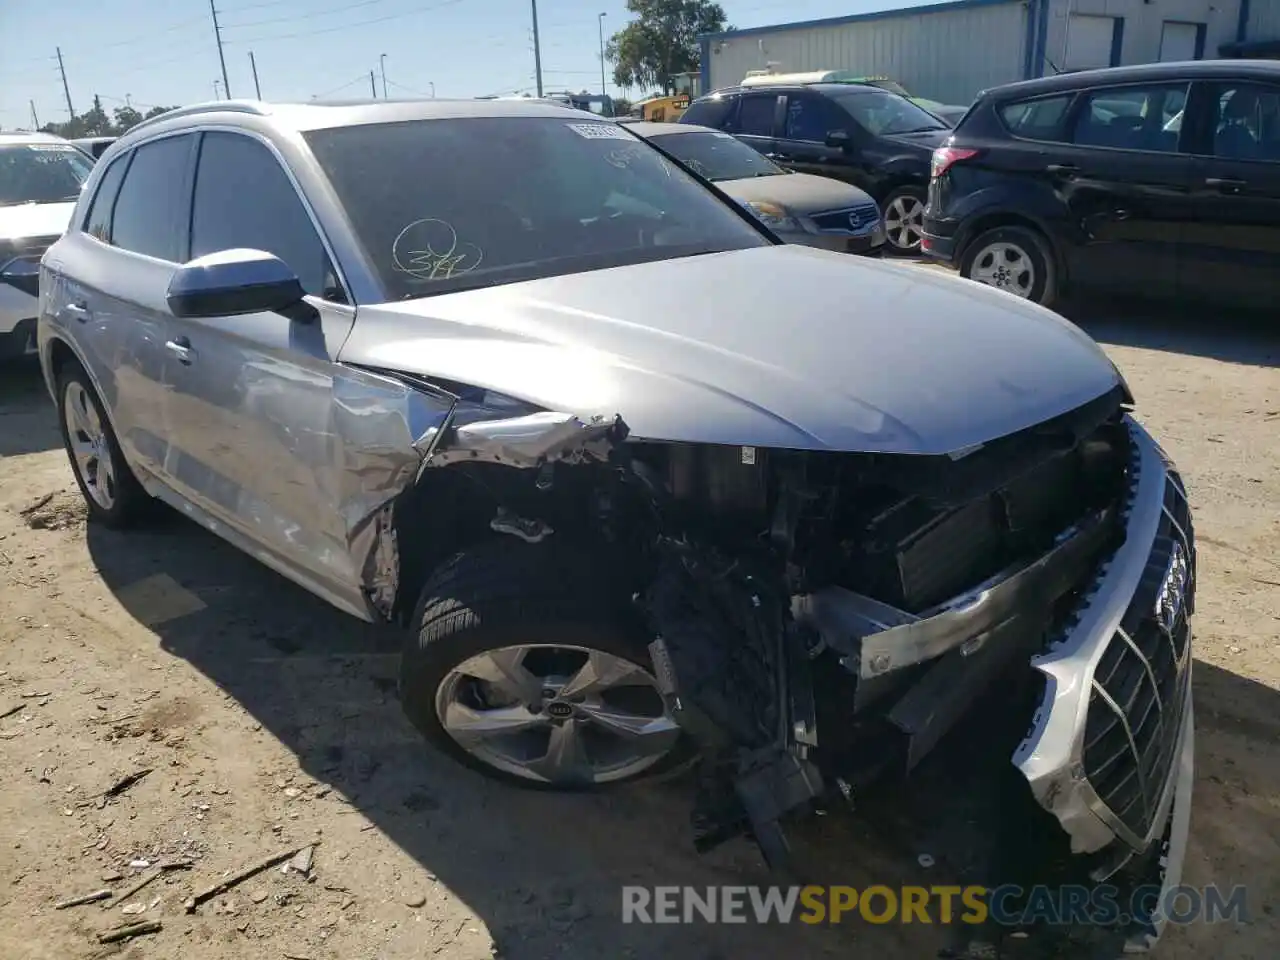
pixel 883 113
pixel 893 86
pixel 41 172
pixel 452 204
pixel 716 156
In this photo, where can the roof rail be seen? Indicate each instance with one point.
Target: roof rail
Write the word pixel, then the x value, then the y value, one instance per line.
pixel 251 107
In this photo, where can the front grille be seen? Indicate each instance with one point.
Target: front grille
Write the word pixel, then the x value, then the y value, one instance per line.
pixel 1140 684
pixel 853 219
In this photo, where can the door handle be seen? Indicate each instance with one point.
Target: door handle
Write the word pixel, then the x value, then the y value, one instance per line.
pixel 180 347
pixel 1224 183
pixel 78 309
pixel 1062 168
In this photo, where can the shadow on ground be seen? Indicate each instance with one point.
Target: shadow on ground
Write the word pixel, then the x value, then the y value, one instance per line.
pixel 324 685
pixel 28 423
pixel 1230 335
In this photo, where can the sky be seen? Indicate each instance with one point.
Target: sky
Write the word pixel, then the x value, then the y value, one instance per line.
pixel 146 54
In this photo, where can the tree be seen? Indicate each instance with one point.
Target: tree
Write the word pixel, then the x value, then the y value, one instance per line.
pixel 662 41
pixel 95 123
pixel 126 118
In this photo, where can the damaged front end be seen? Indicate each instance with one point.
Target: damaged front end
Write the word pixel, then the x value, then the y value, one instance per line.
pixel 821 621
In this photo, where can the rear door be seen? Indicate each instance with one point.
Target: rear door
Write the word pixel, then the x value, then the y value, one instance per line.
pixel 251 397
pixel 1125 181
pixel 755 121
pixel 1233 243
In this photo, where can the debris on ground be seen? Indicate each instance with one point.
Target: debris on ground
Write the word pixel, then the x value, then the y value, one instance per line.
pixel 60 510
pixel 12 709
pixel 123 784
pixel 130 930
pixel 222 886
pixel 301 861
pixel 97 895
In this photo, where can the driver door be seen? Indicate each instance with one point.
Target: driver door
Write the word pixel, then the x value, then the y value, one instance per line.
pixel 249 398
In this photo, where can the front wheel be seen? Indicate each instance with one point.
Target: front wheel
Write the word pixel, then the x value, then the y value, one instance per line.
pixel 904 219
pixel 1013 259
pixel 513 670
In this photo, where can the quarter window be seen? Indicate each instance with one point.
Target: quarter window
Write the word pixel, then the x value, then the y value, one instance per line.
pixel 712 112
pixel 1247 124
pixel 153 199
pixel 1037 119
pixel 1145 118
pixel 755 116
pixel 98 222
pixel 244 199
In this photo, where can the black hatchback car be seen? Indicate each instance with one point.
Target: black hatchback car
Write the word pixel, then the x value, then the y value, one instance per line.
pixel 872 138
pixel 1159 179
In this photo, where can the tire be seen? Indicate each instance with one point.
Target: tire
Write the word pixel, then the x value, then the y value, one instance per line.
pixel 981 262
pixel 906 204
pixel 506 596
pixel 114 496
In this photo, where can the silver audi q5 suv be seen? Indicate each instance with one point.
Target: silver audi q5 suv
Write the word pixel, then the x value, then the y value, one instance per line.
pixel 642 484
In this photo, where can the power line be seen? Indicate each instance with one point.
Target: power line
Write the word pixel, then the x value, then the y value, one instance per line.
pixel 349 83
pixel 311 13
pixel 416 93
pixel 348 26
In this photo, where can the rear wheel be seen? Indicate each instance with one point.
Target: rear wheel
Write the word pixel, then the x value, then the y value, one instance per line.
pixel 904 218
pixel 515 670
pixel 110 489
pixel 1013 259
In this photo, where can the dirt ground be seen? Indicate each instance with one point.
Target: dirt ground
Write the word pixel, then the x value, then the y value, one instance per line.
pixel 268 722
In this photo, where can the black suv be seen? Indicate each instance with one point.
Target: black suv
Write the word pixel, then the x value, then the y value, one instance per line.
pixel 1157 179
pixel 871 138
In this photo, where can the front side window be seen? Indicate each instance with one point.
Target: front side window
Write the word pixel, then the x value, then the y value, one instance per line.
pixel 153 200
pixel 812 118
pixel 883 114
pixel 717 156
pixel 1247 124
pixel 41 172
pixel 451 204
pixel 1131 118
pixel 243 199
pixel 755 116
pixel 1041 119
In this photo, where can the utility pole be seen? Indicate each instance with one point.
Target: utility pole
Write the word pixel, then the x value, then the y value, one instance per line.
pixel 35 120
pixel 600 25
pixel 66 90
pixel 373 87
pixel 253 65
pixel 217 89
pixel 382 63
pixel 217 35
pixel 537 50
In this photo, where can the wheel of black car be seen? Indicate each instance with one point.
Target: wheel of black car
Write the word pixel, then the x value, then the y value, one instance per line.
pixel 903 213
pixel 110 489
pixel 517 667
pixel 1013 259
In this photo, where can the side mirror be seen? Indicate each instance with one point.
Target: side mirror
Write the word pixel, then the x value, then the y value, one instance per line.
pixel 232 283
pixel 839 139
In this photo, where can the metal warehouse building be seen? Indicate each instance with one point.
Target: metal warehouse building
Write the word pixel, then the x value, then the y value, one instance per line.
pixel 950 51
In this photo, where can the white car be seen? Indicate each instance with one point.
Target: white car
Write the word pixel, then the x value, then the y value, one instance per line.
pixel 40 180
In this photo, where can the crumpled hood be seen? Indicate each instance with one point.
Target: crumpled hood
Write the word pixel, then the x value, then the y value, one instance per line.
pixel 801 193
pixel 782 346
pixel 35 220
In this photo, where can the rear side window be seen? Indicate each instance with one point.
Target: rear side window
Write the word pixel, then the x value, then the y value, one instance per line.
pixel 98 222
pixel 1147 118
pixel 153 200
pixel 709 113
pixel 1041 119
pixel 755 117
pixel 811 118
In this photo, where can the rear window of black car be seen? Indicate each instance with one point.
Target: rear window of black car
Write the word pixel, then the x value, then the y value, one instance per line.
pixel 712 112
pixel 1040 119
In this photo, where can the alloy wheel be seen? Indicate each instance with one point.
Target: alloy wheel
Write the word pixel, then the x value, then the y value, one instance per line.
pixel 1006 266
pixel 560 715
pixel 904 222
pixel 90 448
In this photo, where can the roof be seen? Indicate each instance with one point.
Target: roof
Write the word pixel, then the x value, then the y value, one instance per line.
pixel 23 136
pixel 322 114
pixel 650 128
pixel 844 87
pixel 1138 73
pixel 858 18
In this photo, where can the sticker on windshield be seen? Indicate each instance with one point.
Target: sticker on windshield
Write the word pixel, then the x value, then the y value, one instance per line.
pixel 600 131
pixel 51 147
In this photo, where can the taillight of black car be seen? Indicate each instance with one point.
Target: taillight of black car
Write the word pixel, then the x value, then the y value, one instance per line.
pixel 944 158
